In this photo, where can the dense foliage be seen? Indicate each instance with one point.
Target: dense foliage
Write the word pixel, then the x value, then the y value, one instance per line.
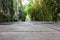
pixel 44 10
pixel 38 10
pixel 7 10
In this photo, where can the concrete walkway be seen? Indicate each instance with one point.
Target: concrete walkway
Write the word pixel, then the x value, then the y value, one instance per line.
pixel 30 31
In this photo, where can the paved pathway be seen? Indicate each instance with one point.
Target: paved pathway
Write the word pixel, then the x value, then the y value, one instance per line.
pixel 30 31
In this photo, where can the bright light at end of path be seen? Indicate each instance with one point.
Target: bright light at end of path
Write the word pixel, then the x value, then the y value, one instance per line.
pixel 24 2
